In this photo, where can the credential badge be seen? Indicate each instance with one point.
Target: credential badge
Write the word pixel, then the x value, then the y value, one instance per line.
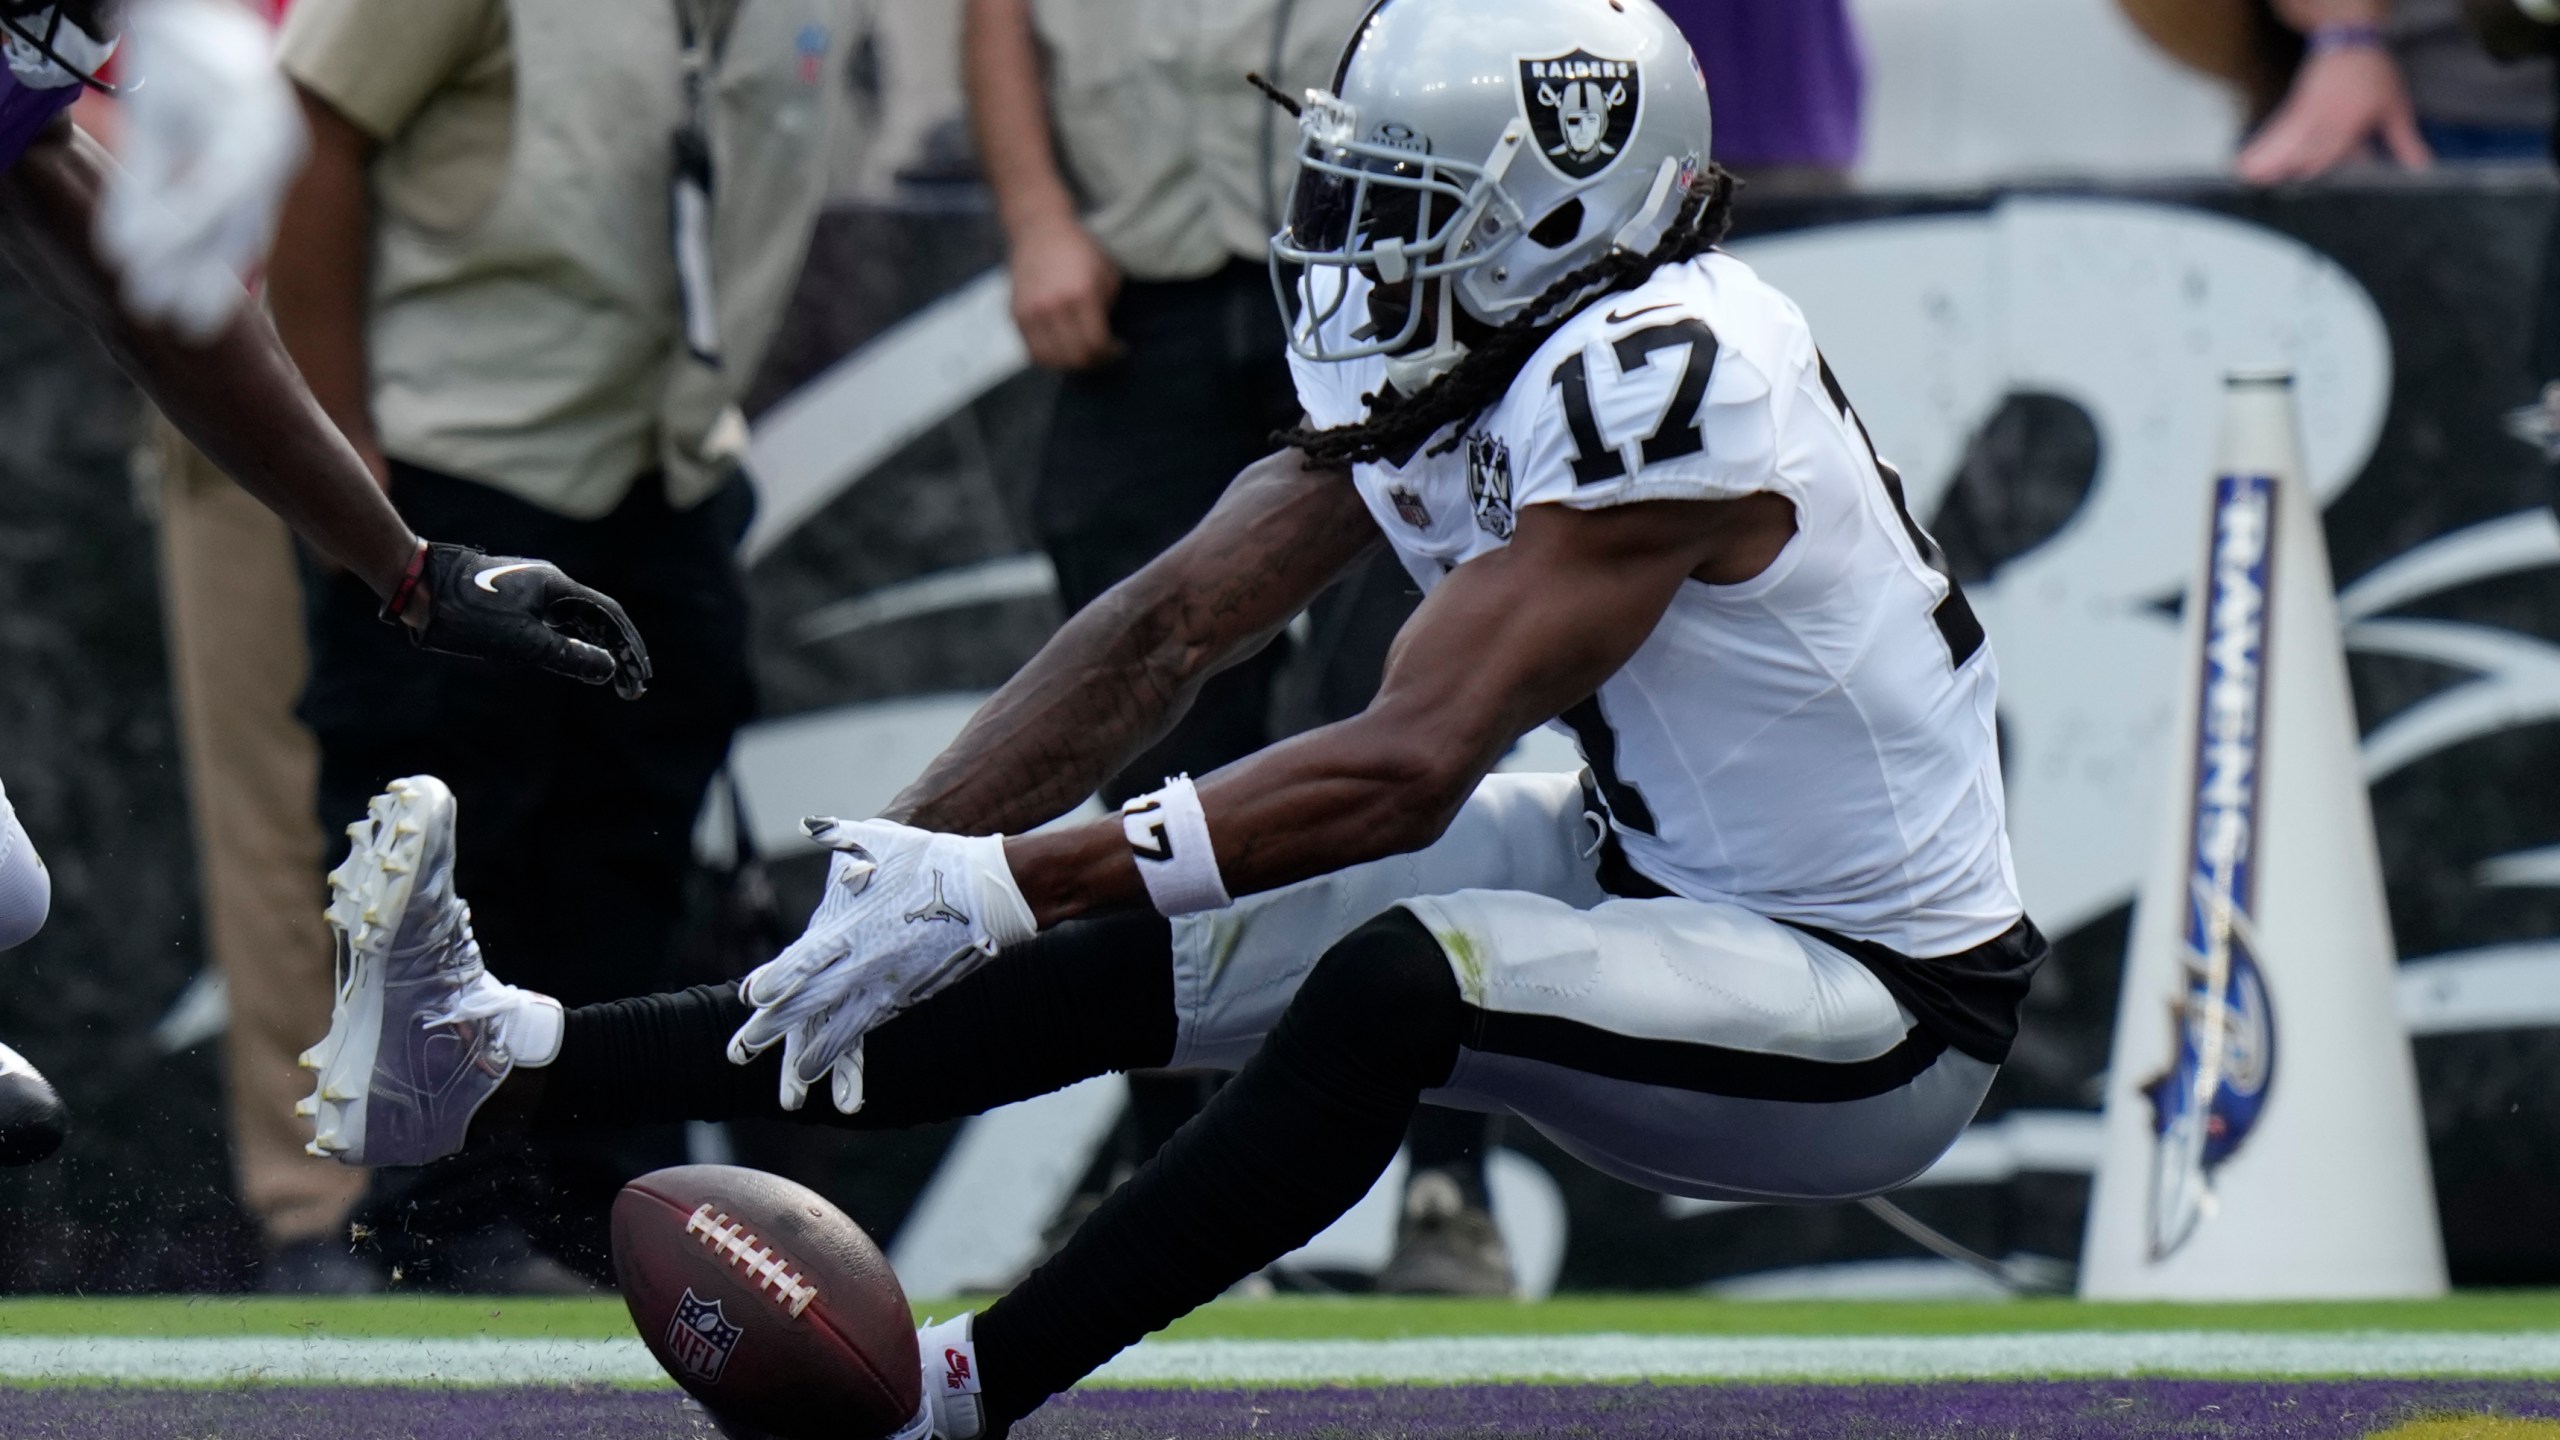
pixel 1581 108
pixel 701 1338
pixel 1489 484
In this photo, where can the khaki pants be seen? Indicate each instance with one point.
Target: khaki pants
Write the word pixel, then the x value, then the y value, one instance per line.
pixel 237 655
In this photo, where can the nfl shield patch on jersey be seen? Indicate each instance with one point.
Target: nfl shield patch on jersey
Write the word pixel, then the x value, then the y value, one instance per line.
pixel 1410 509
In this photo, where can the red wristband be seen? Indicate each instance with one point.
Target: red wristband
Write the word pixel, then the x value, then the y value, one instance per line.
pixel 408 586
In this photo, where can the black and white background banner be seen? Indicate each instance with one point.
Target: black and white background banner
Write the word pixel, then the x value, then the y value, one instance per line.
pixel 2045 367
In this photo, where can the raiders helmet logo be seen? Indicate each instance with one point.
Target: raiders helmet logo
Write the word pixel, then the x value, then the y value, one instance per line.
pixel 1581 108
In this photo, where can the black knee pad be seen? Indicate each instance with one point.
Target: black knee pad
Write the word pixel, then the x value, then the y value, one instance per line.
pixel 1385 996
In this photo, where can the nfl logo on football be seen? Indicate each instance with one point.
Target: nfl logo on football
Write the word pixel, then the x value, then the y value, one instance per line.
pixel 700 1339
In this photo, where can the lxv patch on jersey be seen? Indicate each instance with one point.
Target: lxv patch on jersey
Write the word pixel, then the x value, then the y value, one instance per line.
pixel 1489 484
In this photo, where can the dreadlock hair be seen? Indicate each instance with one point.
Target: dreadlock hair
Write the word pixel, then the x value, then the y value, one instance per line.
pixel 1398 424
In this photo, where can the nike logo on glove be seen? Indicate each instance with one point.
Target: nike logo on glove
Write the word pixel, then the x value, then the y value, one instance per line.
pixel 487 579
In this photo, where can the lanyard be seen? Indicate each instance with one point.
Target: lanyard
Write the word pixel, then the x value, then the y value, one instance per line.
pixel 690 192
pixel 699 61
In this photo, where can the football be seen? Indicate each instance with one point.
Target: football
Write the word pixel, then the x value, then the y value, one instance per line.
pixel 766 1303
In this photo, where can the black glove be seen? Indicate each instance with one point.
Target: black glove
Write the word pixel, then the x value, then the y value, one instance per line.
pixel 499 607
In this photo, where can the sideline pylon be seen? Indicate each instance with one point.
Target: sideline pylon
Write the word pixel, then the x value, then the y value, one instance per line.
pixel 2262 1135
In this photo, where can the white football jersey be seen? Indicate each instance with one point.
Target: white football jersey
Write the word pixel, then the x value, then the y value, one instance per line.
pixel 1816 744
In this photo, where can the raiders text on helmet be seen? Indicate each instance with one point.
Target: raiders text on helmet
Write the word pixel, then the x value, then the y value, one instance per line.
pixel 1492 145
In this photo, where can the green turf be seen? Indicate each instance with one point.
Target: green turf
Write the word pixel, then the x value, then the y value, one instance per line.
pixel 396 1317
pixel 1303 1318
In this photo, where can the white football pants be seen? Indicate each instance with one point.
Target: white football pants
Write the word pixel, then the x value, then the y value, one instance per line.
pixel 1690 1047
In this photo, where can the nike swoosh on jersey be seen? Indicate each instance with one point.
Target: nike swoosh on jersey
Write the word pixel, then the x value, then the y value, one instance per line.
pixel 1616 319
pixel 487 579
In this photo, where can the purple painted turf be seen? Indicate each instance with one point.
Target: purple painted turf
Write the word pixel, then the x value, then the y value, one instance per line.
pixel 2203 1409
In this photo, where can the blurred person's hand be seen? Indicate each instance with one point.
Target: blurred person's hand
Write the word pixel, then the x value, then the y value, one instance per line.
pixel 2346 97
pixel 1063 286
pixel 211 138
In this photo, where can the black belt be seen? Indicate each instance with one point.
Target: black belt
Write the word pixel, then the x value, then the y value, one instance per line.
pixel 1968 1000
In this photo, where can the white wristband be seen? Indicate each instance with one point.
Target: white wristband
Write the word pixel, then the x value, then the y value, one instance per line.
pixel 1169 834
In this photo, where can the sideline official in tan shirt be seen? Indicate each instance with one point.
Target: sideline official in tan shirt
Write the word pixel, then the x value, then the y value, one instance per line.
pixel 1123 143
pixel 532 271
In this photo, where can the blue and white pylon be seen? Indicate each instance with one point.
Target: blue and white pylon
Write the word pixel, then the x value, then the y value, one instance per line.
pixel 2262 1136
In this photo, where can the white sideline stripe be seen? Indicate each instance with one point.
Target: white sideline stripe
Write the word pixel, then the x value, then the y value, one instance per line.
pixel 1841 1357
pixel 320 1360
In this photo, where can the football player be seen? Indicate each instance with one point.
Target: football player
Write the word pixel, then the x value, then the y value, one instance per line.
pixel 215 368
pixel 1767 947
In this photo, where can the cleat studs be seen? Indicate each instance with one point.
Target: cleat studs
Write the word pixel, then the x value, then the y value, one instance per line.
pixel 307 1108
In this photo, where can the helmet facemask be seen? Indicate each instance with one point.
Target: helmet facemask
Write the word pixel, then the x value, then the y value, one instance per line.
pixel 53 43
pixel 1401 220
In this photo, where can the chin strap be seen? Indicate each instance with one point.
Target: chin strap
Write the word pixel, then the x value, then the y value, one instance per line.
pixel 1411 373
pixel 1643 231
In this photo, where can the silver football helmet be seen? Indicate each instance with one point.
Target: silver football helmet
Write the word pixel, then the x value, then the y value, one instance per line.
pixel 1493 146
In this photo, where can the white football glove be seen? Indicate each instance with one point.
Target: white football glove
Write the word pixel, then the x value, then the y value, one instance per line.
pixel 906 913
pixel 212 136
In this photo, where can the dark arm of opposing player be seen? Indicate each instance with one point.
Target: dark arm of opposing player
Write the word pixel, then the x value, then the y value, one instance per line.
pixel 1119 674
pixel 238 398
pixel 1505 643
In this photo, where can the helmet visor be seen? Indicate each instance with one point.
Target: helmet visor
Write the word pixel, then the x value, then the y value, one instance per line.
pixel 1393 212
pixel 1346 206
pixel 1338 202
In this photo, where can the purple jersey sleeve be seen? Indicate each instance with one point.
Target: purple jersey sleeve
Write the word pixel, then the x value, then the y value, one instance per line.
pixel 24 113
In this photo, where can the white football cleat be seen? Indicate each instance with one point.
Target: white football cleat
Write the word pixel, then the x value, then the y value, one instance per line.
pixel 420 1035
pixel 26 887
pixel 32 1119
pixel 951 1409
